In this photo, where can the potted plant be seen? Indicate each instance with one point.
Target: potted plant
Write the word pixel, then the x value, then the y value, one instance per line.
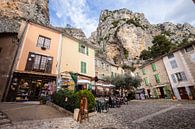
pixel 190 96
pixel 42 99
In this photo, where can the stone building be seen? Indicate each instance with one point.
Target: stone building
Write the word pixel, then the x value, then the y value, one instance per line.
pixel 179 65
pixel 155 79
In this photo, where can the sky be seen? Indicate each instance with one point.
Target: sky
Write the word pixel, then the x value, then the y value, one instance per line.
pixel 85 14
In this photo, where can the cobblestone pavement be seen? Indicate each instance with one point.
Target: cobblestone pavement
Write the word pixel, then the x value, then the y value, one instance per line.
pixel 147 114
pixel 55 123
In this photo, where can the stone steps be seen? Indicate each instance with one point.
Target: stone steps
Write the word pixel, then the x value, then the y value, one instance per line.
pixel 4 121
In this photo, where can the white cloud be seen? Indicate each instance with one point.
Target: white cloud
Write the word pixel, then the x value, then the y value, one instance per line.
pixel 77 13
pixel 183 12
pixel 84 14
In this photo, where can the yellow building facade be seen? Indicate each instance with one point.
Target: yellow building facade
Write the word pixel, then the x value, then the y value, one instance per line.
pixel 77 57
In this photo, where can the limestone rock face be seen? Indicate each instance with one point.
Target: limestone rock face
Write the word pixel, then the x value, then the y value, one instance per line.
pixel 13 11
pixel 121 34
pixel 75 32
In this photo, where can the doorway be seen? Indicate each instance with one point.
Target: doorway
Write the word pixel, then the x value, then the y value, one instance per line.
pixel 162 94
pixel 183 93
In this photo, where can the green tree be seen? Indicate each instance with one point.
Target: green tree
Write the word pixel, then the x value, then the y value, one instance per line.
pixel 145 54
pixel 161 45
pixel 126 81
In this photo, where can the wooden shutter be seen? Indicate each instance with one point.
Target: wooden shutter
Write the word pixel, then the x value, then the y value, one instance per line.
pixel 85 67
pixel 49 65
pixel 30 62
pixel 153 67
pixel 87 52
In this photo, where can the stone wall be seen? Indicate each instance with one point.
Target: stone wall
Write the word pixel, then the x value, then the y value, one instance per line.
pixel 8 46
pixel 189 58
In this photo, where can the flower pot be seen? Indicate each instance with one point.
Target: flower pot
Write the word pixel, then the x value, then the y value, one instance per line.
pixel 174 98
pixel 190 97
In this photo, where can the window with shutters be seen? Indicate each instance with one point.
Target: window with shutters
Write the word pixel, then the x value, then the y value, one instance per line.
pixel 173 64
pixel 43 42
pixel 146 81
pixel 154 67
pixel 173 78
pixel 157 78
pixel 189 48
pixel 39 63
pixel 83 67
pixel 83 49
pixel 181 76
pixel 112 74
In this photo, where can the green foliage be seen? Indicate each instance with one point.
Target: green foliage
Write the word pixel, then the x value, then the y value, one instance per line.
pixel 183 43
pixel 61 96
pixel 161 45
pixel 168 33
pixel 135 22
pixel 90 96
pixel 115 23
pixel 145 54
pixel 71 100
pixel 126 53
pixel 124 81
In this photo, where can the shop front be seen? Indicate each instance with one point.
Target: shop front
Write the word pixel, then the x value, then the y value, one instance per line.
pixel 29 86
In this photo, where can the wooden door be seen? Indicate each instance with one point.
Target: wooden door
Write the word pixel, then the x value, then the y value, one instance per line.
pixel 183 93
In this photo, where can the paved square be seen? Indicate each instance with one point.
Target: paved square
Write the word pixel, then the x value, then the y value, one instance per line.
pixel 147 114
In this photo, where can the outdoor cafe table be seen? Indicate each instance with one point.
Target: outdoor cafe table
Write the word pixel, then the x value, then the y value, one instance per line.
pixel 101 105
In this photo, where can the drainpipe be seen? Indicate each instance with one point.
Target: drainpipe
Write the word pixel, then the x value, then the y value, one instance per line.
pixel 58 78
pixel 20 39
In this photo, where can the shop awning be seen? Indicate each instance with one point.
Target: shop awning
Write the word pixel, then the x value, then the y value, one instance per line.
pixel 83 82
pixel 104 85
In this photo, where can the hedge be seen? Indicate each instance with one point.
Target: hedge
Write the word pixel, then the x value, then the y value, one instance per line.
pixel 71 100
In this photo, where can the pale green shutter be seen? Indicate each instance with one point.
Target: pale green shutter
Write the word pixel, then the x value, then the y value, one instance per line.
pixel 153 67
pixel 157 78
pixel 87 52
pixel 85 68
pixel 81 67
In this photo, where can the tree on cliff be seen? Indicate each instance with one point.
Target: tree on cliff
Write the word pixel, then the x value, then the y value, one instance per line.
pixel 161 45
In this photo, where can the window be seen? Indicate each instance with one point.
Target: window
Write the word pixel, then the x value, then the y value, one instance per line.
pixel 189 48
pixel 146 81
pixel 157 78
pixel 112 74
pixel 154 67
pixel 83 49
pixel 173 78
pixel 181 76
pixel 193 57
pixel 144 71
pixel 0 49
pixel 173 64
pixel 83 67
pixel 43 42
pixel 170 55
pixel 39 63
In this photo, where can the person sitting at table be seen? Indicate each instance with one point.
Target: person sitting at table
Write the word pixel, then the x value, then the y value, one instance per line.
pixel 110 101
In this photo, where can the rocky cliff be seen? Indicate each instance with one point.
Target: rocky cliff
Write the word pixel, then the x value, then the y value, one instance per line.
pixel 13 11
pixel 122 34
